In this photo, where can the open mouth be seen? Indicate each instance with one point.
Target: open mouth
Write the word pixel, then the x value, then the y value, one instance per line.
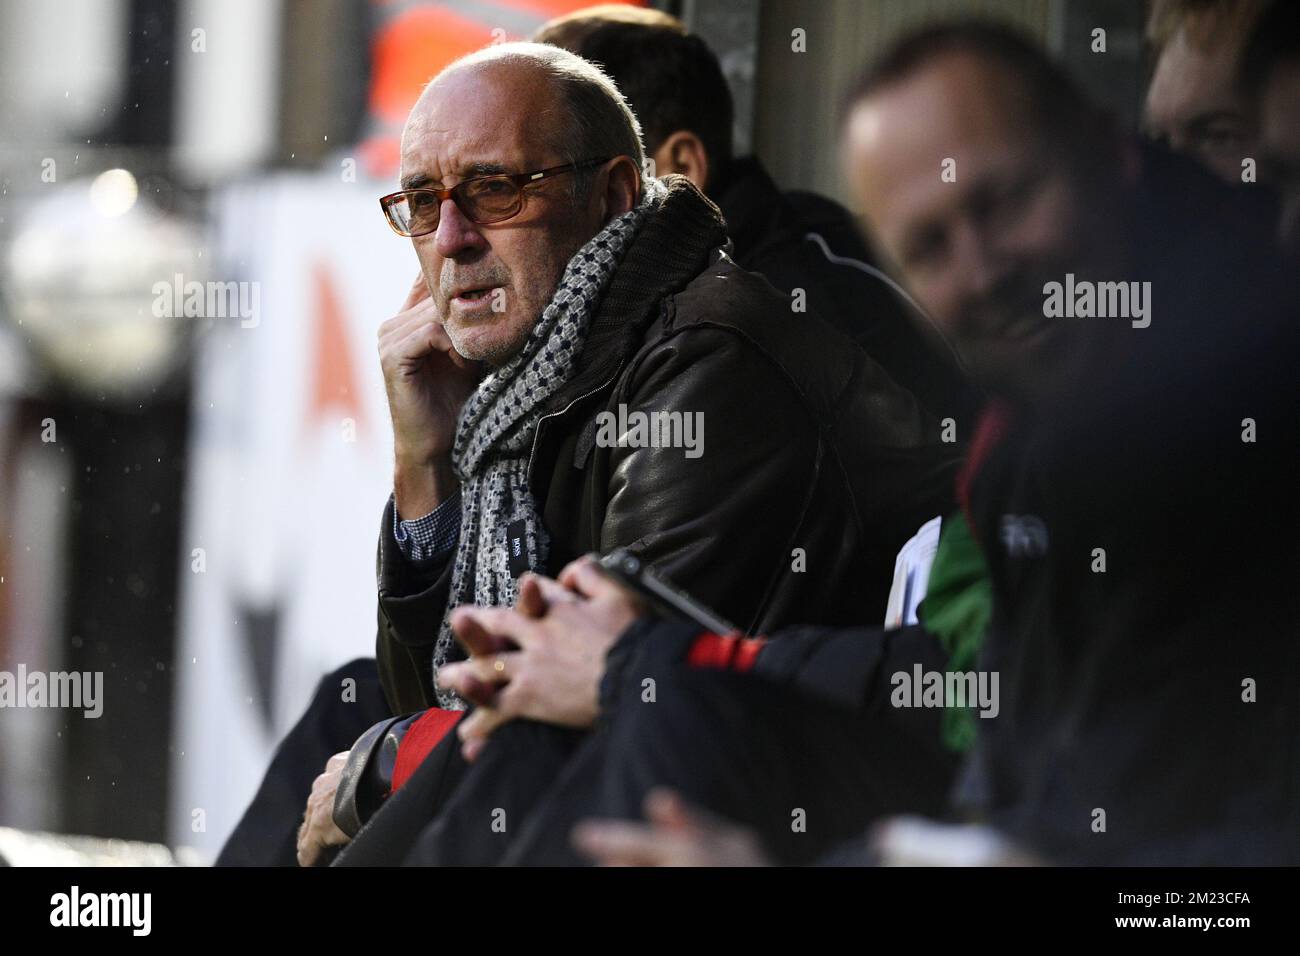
pixel 474 295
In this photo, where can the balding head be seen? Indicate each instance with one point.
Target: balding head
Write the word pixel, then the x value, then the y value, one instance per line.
pixel 568 104
pixel 506 110
pixel 1196 101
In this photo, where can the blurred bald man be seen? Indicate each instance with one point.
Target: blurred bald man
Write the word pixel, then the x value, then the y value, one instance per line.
pixel 1196 101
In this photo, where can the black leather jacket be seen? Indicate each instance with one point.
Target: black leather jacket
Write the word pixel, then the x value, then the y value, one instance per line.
pixel 815 468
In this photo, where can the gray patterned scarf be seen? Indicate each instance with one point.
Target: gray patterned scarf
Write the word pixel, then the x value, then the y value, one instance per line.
pixel 494 436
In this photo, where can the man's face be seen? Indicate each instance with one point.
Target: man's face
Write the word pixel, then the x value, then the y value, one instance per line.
pixel 977 245
pixel 1194 103
pixel 1280 143
pixel 490 283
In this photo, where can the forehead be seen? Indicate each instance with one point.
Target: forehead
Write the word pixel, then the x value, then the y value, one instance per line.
pixel 496 113
pixel 956 108
pixel 1193 78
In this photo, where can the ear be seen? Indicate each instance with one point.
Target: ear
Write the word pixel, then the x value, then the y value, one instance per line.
pixel 622 187
pixel 683 152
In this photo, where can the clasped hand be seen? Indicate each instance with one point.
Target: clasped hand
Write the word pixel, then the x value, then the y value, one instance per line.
pixel 542 659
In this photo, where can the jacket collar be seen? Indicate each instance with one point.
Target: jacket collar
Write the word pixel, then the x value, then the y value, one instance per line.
pixel 755 209
pixel 672 247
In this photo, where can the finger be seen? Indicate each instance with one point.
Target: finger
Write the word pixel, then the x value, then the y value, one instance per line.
pixel 585 577
pixel 321 783
pixel 476 716
pixel 303 858
pixel 470 749
pixel 474 630
pixel 488 671
pixel 532 602
pixel 338 761
pixel 440 341
pixel 396 328
pixel 537 593
pixel 312 841
pixel 309 847
pixel 616 843
pixel 419 290
pixel 334 836
pixel 553 591
pixel 568 576
pixel 400 326
pixel 479 693
pixel 423 339
pixel 666 808
pixel 502 622
pixel 406 349
pixel 480 724
pixel 418 336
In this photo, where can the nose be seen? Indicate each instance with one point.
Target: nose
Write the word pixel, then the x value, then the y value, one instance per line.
pixel 976 259
pixel 1177 140
pixel 455 234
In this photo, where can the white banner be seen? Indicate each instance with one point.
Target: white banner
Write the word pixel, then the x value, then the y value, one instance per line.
pixel 290 466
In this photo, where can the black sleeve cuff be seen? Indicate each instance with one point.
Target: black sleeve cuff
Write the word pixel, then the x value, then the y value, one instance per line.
pixel 647 640
pixel 397 575
pixel 368 774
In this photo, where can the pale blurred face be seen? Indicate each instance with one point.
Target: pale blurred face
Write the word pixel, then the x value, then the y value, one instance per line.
pixel 977 251
pixel 490 283
pixel 1280 144
pixel 1193 103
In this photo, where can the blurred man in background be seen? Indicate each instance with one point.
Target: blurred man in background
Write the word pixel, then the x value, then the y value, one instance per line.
pixel 1136 441
pixel 1205 96
pixel 1196 101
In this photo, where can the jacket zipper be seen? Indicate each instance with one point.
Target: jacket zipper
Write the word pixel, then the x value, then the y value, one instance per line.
pixel 537 433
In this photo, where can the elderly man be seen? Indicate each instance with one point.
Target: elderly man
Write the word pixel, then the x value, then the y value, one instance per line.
pixel 562 291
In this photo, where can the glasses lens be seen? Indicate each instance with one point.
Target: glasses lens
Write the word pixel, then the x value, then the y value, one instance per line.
pixel 417 212
pixel 395 210
pixel 490 199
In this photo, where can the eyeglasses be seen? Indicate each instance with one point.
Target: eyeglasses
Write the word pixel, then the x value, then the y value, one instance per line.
pixel 482 199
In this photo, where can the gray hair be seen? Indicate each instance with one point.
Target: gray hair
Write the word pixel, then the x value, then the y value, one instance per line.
pixel 598 123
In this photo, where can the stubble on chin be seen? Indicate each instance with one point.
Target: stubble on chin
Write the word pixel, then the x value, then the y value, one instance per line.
pixel 496 348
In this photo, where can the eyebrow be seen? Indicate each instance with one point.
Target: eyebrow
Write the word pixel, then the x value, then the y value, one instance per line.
pixel 421 180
